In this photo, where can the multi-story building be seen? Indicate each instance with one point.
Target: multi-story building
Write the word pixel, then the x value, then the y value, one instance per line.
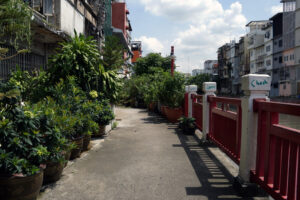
pixel 287 86
pixel 277 62
pixel 209 66
pixel 268 50
pixel 121 28
pixel 224 69
pixel 53 22
pixel 243 54
pixel 256 45
pixel 136 48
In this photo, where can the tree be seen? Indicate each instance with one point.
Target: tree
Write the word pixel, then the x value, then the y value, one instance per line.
pixel 152 63
pixel 113 54
pixel 15 20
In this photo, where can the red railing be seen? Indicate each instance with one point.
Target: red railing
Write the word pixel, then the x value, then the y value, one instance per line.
pixel 277 161
pixel 197 110
pixel 225 125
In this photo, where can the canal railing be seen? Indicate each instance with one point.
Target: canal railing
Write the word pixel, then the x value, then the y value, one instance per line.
pixel 247 129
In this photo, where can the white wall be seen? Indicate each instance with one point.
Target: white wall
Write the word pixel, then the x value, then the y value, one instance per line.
pixel 70 19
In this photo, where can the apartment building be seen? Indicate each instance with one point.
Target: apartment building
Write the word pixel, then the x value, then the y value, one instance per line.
pixel 224 69
pixel 209 66
pixel 277 50
pixel 256 45
pixel 287 83
pixel 53 22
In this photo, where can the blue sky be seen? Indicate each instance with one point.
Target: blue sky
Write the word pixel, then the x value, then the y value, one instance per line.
pixel 195 27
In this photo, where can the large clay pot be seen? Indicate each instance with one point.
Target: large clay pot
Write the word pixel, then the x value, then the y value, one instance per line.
pixel 86 142
pixel 152 107
pixel 53 172
pixel 17 188
pixel 75 153
pixel 173 114
pixel 101 131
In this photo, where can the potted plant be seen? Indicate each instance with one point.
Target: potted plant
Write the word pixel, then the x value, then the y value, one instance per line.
pixel 102 116
pixel 22 151
pixel 187 125
pixel 173 90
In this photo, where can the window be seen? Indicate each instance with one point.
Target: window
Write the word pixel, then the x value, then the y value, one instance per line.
pixel 280 59
pixel 268 48
pixel 292 57
pixel 275 85
pixel 48 7
pixel 280 43
pixel 275 43
pixel 275 59
pixel 267 35
pixel 268 62
pixel 286 58
pixel 251 53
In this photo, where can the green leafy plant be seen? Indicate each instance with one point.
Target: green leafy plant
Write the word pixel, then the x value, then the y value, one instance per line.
pixel 78 57
pixel 22 147
pixel 187 124
pixel 171 91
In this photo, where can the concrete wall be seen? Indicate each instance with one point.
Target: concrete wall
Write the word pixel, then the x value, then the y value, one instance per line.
pixel 70 19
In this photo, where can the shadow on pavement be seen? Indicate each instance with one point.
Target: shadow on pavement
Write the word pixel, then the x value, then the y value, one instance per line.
pixel 216 181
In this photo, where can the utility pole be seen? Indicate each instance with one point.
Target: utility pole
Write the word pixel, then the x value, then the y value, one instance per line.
pixel 172 60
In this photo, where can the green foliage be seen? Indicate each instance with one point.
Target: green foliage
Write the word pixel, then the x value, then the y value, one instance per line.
pixel 109 84
pixel 21 139
pixel 171 92
pixel 15 19
pixel 34 87
pixel 198 80
pixel 187 123
pixel 151 64
pixel 113 53
pixel 78 57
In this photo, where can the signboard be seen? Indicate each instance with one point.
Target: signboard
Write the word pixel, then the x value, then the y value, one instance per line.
pixel 209 87
pixel 256 82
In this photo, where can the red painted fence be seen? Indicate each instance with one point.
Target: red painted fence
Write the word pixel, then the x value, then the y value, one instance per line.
pixel 225 125
pixel 197 110
pixel 278 157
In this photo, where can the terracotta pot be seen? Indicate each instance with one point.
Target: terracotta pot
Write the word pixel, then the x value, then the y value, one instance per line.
pixel 53 172
pixel 25 188
pixel 173 114
pixel 86 142
pixel 101 131
pixel 75 153
pixel 151 107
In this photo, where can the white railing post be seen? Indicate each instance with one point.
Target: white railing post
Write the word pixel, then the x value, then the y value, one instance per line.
pixel 255 86
pixel 209 89
pixel 192 89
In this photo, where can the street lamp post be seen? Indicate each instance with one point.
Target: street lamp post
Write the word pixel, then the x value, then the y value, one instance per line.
pixel 172 60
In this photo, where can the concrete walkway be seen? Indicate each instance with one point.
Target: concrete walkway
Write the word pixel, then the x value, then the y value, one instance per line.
pixel 146 158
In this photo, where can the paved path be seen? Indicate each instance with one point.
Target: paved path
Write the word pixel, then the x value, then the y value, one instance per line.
pixel 145 158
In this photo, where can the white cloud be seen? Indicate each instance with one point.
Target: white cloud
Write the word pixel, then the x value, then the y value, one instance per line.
pixel 276 9
pixel 210 26
pixel 150 44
